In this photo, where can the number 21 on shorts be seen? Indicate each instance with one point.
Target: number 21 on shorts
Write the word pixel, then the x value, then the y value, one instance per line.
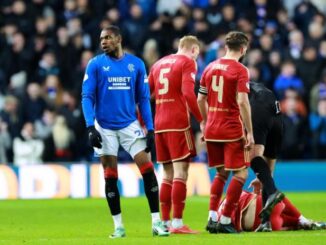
pixel 218 87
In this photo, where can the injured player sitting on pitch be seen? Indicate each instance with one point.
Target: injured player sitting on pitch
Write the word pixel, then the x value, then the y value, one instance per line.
pixel 285 216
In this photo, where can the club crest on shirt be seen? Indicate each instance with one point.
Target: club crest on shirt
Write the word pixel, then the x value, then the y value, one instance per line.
pixel 106 68
pixel 131 67
pixel 193 75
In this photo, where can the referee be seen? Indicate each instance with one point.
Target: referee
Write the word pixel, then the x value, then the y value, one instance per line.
pixel 268 130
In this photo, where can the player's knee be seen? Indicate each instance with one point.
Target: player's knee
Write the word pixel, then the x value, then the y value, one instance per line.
pixel 243 173
pixel 146 168
pixel 168 171
pixel 256 163
pixel 223 173
pixel 111 173
pixel 180 173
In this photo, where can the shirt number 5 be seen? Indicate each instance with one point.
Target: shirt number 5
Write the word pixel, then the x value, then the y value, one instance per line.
pixel 164 80
pixel 218 87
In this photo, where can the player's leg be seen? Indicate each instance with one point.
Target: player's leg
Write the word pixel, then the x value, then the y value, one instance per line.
pixel 133 141
pixel 215 152
pixel 166 193
pixel 216 192
pixel 112 193
pixel 276 217
pixel 146 169
pixel 237 161
pixel 163 157
pixel 181 148
pixel 273 141
pixel 293 214
pixel 108 153
pixel 261 169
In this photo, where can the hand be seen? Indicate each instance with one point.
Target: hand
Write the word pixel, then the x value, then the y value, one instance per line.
pixel 202 129
pixel 249 141
pixel 94 137
pixel 256 184
pixel 150 140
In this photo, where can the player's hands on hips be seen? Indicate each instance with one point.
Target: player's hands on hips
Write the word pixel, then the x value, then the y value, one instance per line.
pixel 249 141
pixel 256 184
pixel 94 137
pixel 150 140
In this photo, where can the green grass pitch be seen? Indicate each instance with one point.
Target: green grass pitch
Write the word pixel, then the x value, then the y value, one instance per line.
pixel 87 221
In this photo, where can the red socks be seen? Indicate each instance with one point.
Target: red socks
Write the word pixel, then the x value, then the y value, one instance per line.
pixel 165 199
pixel 290 209
pixel 179 193
pixel 233 194
pixel 276 218
pixel 216 191
pixel 173 193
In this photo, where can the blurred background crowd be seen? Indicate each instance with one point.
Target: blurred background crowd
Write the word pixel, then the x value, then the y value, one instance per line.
pixel 45 46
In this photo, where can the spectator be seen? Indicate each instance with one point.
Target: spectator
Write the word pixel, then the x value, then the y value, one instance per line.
pixel 47 66
pixel 53 91
pixel 27 149
pixel 133 30
pixel 296 43
pixel 288 79
pixel 318 129
pixel 303 14
pixel 295 130
pixel 5 142
pixel 318 91
pixel 63 138
pixel 33 104
pixel 312 67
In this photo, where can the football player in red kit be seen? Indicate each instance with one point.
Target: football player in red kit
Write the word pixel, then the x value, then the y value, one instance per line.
pixel 172 81
pixel 227 124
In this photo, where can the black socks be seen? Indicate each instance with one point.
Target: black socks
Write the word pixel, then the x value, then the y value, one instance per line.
pixel 112 195
pixel 151 191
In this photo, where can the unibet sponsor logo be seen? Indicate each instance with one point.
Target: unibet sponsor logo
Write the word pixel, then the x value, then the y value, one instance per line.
pixel 119 83
pixel 119 79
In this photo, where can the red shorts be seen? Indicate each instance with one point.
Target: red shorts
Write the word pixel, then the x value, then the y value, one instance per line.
pixel 231 155
pixel 174 146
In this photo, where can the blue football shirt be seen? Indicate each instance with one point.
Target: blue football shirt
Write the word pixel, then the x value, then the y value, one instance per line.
pixel 112 89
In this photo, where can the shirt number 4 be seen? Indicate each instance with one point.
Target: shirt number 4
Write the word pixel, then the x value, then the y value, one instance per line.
pixel 218 87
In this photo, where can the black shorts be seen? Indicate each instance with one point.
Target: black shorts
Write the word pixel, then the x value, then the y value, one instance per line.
pixel 268 131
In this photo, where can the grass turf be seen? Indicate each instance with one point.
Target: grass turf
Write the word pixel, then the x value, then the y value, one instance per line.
pixel 87 221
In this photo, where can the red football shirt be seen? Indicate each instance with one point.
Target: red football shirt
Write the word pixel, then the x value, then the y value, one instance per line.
pixel 172 80
pixel 221 81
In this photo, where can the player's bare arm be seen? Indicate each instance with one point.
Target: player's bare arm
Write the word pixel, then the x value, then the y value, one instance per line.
pixel 245 113
pixel 202 104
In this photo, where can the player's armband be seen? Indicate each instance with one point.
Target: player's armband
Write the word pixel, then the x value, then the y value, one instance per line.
pixel 203 90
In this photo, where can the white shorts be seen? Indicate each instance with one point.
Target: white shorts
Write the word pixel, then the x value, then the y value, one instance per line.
pixel 131 138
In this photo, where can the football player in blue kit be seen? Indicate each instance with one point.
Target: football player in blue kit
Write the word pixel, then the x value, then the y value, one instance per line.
pixel 115 84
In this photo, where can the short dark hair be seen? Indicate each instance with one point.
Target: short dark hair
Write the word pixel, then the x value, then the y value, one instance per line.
pixel 114 29
pixel 235 40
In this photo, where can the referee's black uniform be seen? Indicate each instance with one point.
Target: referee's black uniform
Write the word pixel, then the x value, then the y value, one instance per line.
pixel 266 119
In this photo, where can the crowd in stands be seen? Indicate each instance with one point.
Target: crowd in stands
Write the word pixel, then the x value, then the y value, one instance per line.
pixel 45 46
